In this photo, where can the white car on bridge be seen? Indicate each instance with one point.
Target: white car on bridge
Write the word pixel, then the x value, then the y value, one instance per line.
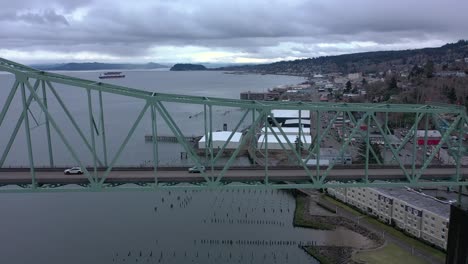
pixel 74 170
pixel 196 169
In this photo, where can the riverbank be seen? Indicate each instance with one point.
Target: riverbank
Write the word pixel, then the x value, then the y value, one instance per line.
pixel 330 221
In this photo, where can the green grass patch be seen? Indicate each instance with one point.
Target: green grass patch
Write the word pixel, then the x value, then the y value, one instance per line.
pixel 300 216
pixel 391 230
pixel 391 253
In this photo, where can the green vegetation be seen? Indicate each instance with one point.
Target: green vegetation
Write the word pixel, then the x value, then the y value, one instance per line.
pixel 390 230
pixel 391 253
pixel 88 66
pixel 314 253
pixel 372 159
pixel 188 67
pixel 301 212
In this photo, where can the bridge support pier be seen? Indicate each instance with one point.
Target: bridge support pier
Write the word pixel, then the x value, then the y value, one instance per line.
pixel 458 235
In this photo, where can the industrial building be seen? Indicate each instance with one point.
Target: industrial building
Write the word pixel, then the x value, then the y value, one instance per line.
pixel 219 138
pixel 288 130
pixel 274 144
pixel 282 115
pixel 417 214
pixel 433 137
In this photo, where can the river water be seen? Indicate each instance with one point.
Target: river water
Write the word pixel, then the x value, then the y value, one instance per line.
pixel 121 112
pixel 229 226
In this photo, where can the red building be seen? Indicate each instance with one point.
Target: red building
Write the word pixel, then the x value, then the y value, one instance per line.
pixel 433 137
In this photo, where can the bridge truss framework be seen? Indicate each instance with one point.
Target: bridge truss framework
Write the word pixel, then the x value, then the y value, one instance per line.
pixel 35 86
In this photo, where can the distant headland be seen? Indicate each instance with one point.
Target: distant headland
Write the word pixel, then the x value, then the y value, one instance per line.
pixel 188 67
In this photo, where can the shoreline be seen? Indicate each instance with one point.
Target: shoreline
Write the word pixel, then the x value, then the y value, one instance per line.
pixel 330 253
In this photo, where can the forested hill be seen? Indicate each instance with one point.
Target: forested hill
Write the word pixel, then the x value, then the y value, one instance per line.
pixel 89 66
pixel 368 62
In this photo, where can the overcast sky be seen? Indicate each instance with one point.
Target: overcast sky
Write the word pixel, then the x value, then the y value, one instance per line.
pixel 238 31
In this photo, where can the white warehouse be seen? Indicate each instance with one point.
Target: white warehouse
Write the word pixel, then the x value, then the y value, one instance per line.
pixel 219 138
pixel 273 143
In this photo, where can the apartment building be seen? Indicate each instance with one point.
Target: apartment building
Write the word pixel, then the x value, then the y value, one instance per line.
pixel 417 214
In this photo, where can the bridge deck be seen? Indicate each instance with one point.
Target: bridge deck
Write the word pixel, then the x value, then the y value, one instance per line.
pixel 275 175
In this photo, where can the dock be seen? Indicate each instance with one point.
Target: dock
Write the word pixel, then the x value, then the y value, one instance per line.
pixel 170 139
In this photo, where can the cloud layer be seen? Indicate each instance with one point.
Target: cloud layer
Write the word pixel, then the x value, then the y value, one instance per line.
pixel 229 31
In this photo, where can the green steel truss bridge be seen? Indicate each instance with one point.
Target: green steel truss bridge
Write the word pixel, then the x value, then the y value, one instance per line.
pixel 33 88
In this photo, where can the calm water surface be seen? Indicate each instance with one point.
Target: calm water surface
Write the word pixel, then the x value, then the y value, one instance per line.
pixel 235 226
pixel 121 112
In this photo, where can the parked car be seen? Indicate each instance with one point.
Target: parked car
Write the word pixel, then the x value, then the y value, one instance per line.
pixel 196 169
pixel 74 170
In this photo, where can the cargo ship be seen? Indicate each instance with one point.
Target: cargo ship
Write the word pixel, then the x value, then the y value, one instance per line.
pixel 109 75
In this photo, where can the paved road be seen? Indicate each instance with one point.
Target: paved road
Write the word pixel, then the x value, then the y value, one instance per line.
pixel 240 175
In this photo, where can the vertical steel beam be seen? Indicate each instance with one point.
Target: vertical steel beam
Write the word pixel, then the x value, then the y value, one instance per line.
pixel 28 136
pixel 268 113
pixel 415 143
pixel 211 140
pixel 318 141
pixel 254 137
pixel 49 139
pixel 91 130
pixel 367 150
pixel 426 126
pixel 460 147
pixel 103 129
pixel 154 130
pixel 388 131
pixel 205 123
pixel 7 104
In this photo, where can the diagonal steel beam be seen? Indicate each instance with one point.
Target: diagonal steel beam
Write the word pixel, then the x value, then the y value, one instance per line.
pixel 411 132
pixel 8 101
pixel 180 137
pixel 250 133
pixel 344 146
pixel 298 156
pixel 442 141
pixel 59 132
pixel 72 120
pixel 124 144
pixel 218 155
pixel 16 129
pixel 364 137
pixel 395 154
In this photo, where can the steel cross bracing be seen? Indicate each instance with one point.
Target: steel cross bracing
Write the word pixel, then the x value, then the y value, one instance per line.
pixel 103 174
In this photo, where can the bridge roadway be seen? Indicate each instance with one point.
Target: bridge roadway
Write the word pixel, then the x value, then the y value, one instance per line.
pixel 175 175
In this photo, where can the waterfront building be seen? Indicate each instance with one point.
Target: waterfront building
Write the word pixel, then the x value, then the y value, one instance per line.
pixel 219 138
pixel 417 214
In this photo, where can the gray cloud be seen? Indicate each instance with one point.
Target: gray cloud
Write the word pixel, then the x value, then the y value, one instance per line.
pixel 260 29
